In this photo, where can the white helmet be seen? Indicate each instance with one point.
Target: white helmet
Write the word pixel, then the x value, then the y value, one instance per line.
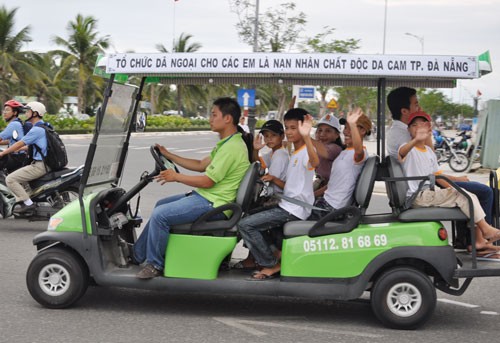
pixel 36 106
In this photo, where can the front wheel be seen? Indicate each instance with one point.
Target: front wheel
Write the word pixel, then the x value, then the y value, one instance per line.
pixel 403 298
pixel 56 278
pixel 459 162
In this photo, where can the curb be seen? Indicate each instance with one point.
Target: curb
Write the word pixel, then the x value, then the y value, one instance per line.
pixel 139 134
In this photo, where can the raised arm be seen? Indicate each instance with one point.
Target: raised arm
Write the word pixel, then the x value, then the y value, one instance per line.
pixel 357 140
pixel 305 131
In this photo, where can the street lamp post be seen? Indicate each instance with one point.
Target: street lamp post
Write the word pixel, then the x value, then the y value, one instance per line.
pixel 385 27
pixel 251 114
pixel 419 38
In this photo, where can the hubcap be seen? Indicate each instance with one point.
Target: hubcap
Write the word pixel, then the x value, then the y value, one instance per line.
pixel 404 299
pixel 54 279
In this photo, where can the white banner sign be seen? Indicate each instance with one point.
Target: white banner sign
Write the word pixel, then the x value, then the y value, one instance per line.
pixel 278 63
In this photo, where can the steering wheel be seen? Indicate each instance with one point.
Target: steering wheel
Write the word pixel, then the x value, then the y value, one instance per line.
pixel 161 161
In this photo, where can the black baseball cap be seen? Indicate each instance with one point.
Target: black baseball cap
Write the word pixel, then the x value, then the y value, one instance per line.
pixel 274 126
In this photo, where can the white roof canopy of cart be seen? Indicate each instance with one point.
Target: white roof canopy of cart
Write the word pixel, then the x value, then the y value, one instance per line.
pixel 296 68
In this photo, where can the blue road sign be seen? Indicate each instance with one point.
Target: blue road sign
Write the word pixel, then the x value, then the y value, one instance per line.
pixel 246 97
pixel 306 92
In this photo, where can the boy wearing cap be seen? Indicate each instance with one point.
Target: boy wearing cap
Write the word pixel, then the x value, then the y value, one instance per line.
pixel 418 159
pixel 34 114
pixel 347 166
pixel 299 175
pixel 329 146
pixel 276 160
pixel 402 102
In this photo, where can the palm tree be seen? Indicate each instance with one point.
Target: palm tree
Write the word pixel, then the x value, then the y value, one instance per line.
pixel 82 46
pixel 191 92
pixel 16 70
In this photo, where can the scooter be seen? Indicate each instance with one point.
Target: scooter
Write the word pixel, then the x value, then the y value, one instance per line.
pixel 50 193
pixel 446 151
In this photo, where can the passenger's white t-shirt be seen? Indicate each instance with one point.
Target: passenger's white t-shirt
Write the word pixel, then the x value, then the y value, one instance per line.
pixel 397 135
pixel 343 178
pixel 277 163
pixel 299 184
pixel 419 162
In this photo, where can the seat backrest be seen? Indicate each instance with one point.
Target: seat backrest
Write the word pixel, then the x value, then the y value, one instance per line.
pixel 366 182
pixel 397 190
pixel 247 186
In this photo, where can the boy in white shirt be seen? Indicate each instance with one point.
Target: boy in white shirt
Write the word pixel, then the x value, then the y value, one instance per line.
pixel 276 160
pixel 299 185
pixel 419 160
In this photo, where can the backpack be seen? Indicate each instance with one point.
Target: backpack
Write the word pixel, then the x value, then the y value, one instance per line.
pixel 26 127
pixel 56 158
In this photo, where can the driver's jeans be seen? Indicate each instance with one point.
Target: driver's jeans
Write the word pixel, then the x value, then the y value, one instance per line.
pixel 175 210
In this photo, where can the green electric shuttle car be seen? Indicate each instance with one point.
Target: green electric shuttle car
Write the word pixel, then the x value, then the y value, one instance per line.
pixel 400 257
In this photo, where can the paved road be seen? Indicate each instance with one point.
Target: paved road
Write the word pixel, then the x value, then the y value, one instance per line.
pixel 121 315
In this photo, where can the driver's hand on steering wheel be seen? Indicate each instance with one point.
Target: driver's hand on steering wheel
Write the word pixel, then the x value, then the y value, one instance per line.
pixel 163 151
pixel 165 176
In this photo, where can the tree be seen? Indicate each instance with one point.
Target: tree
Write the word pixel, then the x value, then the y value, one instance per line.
pixel 279 30
pixel 191 92
pixel 323 44
pixel 16 70
pixel 82 47
pixel 436 103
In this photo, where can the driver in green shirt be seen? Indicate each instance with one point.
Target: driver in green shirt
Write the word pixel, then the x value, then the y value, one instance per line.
pixel 223 172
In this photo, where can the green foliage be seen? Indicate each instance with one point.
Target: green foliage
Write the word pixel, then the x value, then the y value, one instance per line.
pixel 71 123
pixel 175 122
pixel 436 103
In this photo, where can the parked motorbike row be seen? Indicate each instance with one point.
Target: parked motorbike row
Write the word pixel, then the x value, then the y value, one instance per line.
pixel 50 193
pixel 457 151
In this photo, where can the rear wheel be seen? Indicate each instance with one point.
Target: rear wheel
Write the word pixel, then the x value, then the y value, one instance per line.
pixel 459 162
pixel 403 298
pixel 56 278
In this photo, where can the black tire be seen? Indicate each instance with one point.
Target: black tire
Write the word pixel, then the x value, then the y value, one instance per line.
pixel 403 298
pixel 459 162
pixel 57 278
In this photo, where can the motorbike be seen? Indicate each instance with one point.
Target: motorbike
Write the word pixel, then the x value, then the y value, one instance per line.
pixel 447 151
pixel 50 193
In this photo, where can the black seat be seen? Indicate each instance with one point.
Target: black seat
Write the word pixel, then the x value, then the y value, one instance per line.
pixel 203 225
pixel 50 176
pixel 349 216
pixel 397 191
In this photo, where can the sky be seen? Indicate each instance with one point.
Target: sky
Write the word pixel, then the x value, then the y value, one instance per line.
pixel 448 27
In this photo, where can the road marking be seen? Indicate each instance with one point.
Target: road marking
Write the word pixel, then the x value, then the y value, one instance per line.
pixel 185 150
pixel 490 313
pixel 203 151
pixel 458 303
pixel 242 324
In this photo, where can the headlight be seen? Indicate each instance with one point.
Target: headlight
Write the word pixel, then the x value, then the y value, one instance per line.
pixel 54 222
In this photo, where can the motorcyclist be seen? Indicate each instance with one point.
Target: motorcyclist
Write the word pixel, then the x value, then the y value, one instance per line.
pixel 34 114
pixel 12 134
